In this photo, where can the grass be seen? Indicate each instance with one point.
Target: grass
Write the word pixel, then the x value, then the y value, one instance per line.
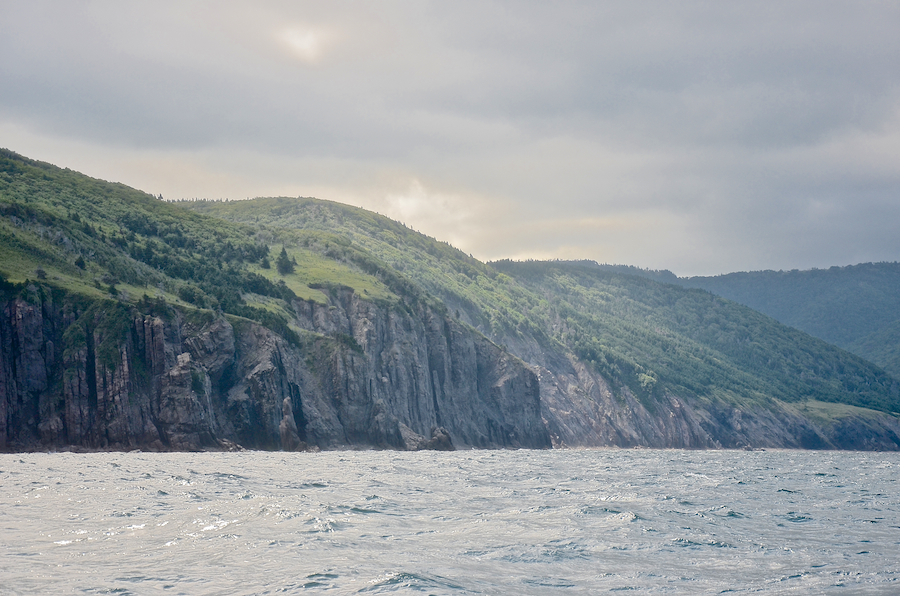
pixel 314 271
pixel 17 267
pixel 652 338
pixel 267 303
pixel 829 412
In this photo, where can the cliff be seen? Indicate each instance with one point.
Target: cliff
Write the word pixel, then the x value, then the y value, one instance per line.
pixel 623 360
pixel 107 375
pixel 369 334
pixel 583 408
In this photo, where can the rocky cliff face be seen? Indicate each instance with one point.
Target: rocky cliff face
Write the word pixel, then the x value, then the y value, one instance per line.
pixel 108 376
pixel 581 409
pixel 104 375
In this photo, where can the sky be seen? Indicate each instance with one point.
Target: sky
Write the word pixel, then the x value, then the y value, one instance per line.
pixel 699 137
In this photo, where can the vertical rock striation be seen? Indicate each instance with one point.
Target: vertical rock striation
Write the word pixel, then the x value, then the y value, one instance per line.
pixel 581 408
pixel 103 375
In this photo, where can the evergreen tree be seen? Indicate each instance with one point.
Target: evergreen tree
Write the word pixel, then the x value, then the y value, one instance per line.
pixel 283 263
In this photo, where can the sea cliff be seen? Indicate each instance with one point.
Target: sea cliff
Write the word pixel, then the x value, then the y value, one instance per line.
pixel 107 375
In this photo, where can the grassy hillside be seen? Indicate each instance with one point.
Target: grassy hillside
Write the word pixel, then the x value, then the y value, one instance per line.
pixel 460 281
pixel 649 336
pixel 855 307
pixel 690 340
pixel 106 240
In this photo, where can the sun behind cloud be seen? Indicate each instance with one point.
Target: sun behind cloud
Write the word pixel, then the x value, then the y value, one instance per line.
pixel 308 44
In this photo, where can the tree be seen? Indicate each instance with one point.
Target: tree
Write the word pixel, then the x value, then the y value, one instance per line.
pixel 283 263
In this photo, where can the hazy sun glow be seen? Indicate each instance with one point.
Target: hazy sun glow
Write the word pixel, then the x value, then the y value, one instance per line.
pixel 305 43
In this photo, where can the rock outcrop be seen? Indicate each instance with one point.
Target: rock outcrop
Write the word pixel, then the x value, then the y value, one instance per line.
pixel 104 375
pixel 76 373
pixel 581 409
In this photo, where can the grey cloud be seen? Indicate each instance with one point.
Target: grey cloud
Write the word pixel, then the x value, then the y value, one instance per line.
pixel 723 125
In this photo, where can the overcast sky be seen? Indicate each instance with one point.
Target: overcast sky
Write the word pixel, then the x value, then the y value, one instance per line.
pixel 700 137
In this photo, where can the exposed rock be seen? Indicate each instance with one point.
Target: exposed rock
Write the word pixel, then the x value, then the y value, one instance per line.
pixel 440 440
pixel 290 440
pixel 102 376
pixel 366 376
pixel 412 441
pixel 423 371
pixel 581 409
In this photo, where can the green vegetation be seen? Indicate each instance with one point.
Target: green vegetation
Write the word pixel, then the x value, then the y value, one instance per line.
pixel 825 413
pixel 283 263
pixel 691 341
pixel 315 275
pixel 855 307
pixel 651 337
pixel 122 251
pixel 881 347
pixel 396 254
pixel 108 241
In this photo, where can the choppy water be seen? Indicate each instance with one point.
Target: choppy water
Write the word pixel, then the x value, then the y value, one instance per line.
pixel 473 522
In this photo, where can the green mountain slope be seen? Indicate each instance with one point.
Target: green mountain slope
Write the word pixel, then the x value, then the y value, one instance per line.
pixel 207 316
pixel 855 307
pixel 693 341
pixel 881 347
pixel 648 336
pixel 129 322
pixel 108 240
pixel 436 267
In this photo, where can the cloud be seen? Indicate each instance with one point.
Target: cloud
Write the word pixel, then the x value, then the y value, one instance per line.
pixel 307 44
pixel 701 137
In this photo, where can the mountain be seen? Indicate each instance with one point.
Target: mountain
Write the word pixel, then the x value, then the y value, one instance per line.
pixel 622 359
pixel 128 322
pixel 855 307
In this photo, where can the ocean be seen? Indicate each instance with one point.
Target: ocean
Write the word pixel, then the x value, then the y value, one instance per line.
pixel 637 521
